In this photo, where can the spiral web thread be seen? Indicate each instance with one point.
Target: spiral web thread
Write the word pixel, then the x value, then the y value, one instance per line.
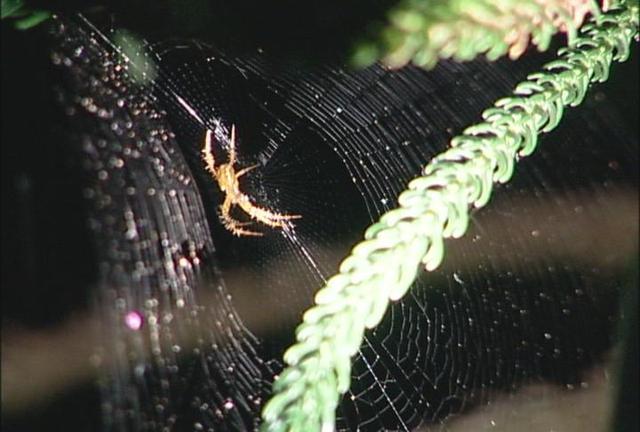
pixel 435 206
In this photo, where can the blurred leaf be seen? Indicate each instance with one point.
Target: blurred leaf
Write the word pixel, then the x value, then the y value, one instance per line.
pixel 423 31
pixel 10 8
pixel 33 19
pixel 26 18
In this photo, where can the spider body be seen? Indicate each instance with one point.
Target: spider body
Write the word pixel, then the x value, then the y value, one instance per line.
pixel 228 182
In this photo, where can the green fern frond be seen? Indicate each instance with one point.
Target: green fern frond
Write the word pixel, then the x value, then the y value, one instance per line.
pixel 435 206
pixel 424 31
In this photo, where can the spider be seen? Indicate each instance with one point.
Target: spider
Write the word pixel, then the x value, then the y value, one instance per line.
pixel 227 179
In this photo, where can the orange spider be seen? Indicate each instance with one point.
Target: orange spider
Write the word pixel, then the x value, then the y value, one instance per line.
pixel 227 179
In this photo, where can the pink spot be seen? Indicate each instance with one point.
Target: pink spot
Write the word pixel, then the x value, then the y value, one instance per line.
pixel 133 320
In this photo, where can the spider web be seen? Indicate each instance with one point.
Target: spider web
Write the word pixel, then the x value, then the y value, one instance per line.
pixel 528 296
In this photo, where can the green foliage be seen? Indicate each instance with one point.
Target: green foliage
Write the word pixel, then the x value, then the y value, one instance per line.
pixel 424 31
pixel 435 206
pixel 25 18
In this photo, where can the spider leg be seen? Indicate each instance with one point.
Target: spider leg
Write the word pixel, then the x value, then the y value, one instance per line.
pixel 207 155
pixel 232 150
pixel 243 171
pixel 233 225
pixel 263 215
